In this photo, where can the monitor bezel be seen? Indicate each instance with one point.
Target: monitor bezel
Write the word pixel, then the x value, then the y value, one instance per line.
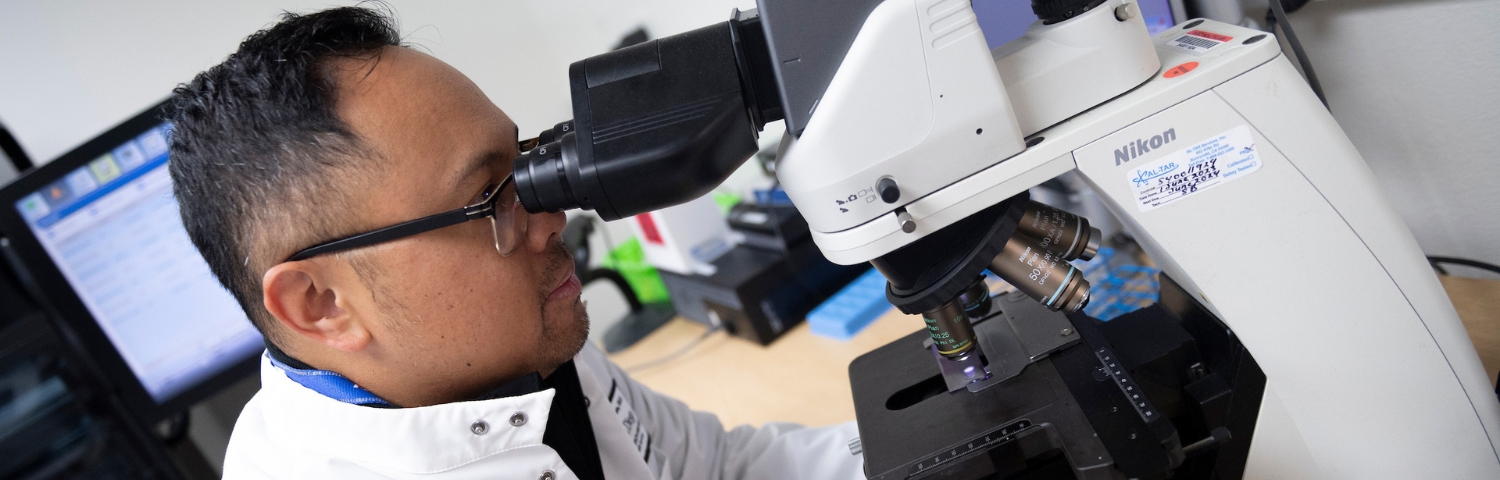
pixel 68 309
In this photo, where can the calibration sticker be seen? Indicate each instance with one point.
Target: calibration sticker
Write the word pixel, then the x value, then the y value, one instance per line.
pixel 1181 174
pixel 1198 42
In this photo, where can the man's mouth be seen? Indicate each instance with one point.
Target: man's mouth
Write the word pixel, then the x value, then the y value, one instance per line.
pixel 568 286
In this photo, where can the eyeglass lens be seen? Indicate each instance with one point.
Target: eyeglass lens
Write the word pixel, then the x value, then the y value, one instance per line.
pixel 509 222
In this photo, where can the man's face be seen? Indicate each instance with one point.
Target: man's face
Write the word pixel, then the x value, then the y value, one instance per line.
pixel 454 314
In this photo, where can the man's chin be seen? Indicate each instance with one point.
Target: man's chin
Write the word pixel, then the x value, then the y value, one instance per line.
pixel 566 329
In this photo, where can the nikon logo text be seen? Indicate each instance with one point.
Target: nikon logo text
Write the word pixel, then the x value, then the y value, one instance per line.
pixel 1142 146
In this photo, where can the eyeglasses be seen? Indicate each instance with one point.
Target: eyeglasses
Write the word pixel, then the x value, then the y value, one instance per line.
pixel 497 203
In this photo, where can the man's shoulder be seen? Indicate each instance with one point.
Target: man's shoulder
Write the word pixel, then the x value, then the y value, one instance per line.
pixel 595 367
pixel 591 356
pixel 255 453
pixel 289 431
pixel 251 453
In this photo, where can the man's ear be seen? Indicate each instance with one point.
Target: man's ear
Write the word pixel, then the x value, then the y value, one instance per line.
pixel 311 301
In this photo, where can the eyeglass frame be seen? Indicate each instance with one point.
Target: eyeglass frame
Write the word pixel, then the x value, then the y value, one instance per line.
pixel 486 208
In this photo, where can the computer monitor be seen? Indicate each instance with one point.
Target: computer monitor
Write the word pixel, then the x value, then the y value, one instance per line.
pixel 98 232
pixel 1006 20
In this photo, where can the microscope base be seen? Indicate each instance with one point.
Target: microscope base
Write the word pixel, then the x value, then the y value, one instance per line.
pixel 1066 413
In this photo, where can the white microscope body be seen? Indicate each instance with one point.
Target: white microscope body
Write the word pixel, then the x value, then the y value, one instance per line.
pixel 1268 215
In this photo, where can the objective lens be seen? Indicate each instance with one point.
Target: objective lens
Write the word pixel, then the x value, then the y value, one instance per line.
pixel 976 299
pixel 950 329
pixel 1064 234
pixel 1041 274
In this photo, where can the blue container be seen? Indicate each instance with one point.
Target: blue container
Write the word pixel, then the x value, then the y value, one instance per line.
pixel 851 309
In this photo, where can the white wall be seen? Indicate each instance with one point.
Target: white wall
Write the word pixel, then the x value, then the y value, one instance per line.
pixel 1416 84
pixel 72 69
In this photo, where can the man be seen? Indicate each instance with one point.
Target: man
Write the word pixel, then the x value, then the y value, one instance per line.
pixel 354 197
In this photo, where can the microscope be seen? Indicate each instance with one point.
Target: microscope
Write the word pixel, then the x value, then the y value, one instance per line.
pixel 1299 332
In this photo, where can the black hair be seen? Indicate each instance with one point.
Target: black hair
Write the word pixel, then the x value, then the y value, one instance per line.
pixel 257 143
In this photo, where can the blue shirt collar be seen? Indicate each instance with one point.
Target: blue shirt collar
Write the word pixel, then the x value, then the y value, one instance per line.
pixel 329 384
pixel 338 387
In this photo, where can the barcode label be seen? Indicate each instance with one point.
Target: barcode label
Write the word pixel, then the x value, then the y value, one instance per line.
pixel 1197 42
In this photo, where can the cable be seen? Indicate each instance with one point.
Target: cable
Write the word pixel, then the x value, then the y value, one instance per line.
pixel 174 429
pixel 1435 260
pixel 673 356
pixel 609 242
pixel 11 149
pixel 620 283
pixel 1291 38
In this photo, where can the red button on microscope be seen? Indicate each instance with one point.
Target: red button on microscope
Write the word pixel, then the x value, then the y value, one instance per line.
pixel 1180 69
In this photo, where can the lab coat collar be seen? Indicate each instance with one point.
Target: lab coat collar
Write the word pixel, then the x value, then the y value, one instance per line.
pixel 338 387
pixel 419 440
pixel 329 384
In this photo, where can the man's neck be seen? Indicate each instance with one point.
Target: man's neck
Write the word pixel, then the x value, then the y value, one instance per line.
pixel 290 361
pixel 525 384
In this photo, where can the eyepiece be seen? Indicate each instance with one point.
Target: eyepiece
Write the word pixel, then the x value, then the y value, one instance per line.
pixel 1041 274
pixel 542 179
pixel 553 134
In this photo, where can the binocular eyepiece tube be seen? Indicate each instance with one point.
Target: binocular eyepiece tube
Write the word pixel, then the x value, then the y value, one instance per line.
pixel 654 124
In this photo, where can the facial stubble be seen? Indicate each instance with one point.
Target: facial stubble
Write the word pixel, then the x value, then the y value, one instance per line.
pixel 563 335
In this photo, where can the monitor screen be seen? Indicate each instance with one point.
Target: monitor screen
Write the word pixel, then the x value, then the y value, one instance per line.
pixel 1006 20
pixel 112 229
pixel 1158 15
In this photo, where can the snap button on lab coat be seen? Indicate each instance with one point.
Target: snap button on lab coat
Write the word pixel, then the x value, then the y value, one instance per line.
pixel 479 427
pixel 518 419
pixel 548 475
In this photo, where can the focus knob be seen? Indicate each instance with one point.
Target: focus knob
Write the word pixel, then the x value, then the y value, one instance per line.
pixel 888 190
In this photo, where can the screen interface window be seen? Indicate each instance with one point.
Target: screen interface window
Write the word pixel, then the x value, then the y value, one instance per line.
pixel 1003 21
pixel 113 230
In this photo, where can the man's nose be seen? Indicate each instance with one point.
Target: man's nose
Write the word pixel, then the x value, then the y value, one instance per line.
pixel 543 226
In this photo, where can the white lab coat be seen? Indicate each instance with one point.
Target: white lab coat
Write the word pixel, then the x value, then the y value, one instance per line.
pixel 288 431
